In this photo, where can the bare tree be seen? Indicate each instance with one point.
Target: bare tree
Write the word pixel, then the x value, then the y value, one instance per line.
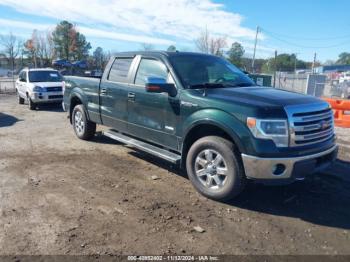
pixel 11 47
pixel 32 46
pixel 210 45
pixel 203 41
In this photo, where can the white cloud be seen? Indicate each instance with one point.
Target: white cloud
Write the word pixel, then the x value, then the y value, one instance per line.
pixel 90 32
pixel 141 20
pixel 22 25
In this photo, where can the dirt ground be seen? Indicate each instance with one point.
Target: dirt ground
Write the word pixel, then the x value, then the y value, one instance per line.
pixel 61 195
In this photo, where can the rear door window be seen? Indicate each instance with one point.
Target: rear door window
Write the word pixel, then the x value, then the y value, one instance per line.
pixel 150 68
pixel 120 70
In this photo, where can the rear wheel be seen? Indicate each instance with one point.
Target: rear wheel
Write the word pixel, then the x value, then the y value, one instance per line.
pixel 215 169
pixel 83 128
pixel 20 99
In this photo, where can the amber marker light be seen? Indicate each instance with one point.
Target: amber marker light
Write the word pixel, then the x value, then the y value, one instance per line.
pixel 251 122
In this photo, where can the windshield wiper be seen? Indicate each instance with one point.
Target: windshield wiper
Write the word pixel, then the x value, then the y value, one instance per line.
pixel 245 84
pixel 208 85
pixel 220 85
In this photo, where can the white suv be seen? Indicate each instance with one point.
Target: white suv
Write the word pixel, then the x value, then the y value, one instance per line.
pixel 38 86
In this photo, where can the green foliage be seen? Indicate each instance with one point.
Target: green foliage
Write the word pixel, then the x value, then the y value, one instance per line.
pixel 344 59
pixel 69 43
pixel 98 57
pixel 283 62
pixel 235 54
pixel 171 48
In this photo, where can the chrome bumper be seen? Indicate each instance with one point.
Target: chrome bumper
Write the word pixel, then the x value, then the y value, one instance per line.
pixel 46 97
pixel 284 168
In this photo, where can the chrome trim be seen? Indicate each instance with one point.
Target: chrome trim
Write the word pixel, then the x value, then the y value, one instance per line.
pixel 261 168
pixel 301 123
pixel 151 149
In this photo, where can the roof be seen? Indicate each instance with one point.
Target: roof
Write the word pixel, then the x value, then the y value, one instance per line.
pixel 40 69
pixel 160 53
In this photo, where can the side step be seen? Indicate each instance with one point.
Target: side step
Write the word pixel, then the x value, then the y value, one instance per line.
pixel 151 149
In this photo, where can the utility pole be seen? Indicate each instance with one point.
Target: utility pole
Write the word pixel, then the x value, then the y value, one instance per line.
pixel 295 69
pixel 275 69
pixel 313 63
pixel 256 41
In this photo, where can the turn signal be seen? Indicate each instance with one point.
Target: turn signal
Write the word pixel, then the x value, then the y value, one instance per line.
pixel 251 122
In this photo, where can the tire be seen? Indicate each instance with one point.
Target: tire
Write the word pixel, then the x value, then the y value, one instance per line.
pixel 219 179
pixel 20 100
pixel 83 128
pixel 31 104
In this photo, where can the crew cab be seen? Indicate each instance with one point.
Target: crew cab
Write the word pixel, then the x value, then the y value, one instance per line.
pixel 201 112
pixel 39 86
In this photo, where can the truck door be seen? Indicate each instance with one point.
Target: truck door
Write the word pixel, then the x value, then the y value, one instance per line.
pixel 113 94
pixel 21 84
pixel 152 116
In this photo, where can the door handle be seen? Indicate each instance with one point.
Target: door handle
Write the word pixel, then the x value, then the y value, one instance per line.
pixel 103 91
pixel 131 96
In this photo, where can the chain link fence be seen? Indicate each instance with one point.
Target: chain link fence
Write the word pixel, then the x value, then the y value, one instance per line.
pixel 7 85
pixel 312 84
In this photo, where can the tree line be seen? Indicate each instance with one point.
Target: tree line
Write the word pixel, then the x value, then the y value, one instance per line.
pixel 64 42
pixel 207 43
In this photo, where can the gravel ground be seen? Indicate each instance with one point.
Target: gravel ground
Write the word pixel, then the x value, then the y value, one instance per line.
pixel 61 195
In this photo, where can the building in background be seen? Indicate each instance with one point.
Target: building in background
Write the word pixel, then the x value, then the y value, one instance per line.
pixel 331 69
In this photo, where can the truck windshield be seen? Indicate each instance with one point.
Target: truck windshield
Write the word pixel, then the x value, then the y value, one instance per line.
pixel 202 71
pixel 44 76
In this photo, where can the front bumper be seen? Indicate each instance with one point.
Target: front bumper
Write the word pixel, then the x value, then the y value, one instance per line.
pixel 287 170
pixel 46 97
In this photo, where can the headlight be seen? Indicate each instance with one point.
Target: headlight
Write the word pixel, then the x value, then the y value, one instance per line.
pixel 37 89
pixel 275 130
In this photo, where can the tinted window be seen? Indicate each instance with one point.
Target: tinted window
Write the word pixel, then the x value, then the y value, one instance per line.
pixel 23 77
pixel 201 69
pixel 44 76
pixel 150 68
pixel 120 69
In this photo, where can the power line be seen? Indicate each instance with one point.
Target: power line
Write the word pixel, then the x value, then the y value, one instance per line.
pixel 306 38
pixel 304 46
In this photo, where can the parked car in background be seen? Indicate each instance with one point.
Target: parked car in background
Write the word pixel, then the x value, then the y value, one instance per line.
pixel 39 86
pixel 203 113
pixel 61 63
pixel 80 64
pixel 344 77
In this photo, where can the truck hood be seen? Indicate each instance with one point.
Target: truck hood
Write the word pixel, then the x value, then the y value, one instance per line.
pixel 259 96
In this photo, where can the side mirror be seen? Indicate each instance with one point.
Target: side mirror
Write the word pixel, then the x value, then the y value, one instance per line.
pixel 159 85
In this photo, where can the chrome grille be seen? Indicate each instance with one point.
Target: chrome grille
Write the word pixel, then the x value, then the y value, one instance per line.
pixel 310 124
pixel 54 89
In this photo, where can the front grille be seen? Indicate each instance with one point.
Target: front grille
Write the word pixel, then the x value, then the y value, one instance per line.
pixel 55 97
pixel 310 124
pixel 54 89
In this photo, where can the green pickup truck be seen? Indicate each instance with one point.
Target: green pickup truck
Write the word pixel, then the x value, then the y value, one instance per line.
pixel 201 112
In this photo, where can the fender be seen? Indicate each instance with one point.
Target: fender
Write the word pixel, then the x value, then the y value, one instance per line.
pixel 77 92
pixel 238 132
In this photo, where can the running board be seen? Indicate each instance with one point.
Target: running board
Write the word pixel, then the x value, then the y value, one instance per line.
pixel 151 149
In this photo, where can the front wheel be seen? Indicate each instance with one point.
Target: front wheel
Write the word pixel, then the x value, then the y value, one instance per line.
pixel 215 169
pixel 83 128
pixel 31 104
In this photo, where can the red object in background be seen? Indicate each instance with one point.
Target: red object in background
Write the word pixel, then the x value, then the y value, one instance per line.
pixel 340 106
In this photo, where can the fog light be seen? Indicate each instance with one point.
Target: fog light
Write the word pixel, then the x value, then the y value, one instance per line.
pixel 278 169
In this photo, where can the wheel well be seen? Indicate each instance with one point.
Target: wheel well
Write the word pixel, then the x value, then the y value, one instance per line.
pixel 199 132
pixel 74 101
